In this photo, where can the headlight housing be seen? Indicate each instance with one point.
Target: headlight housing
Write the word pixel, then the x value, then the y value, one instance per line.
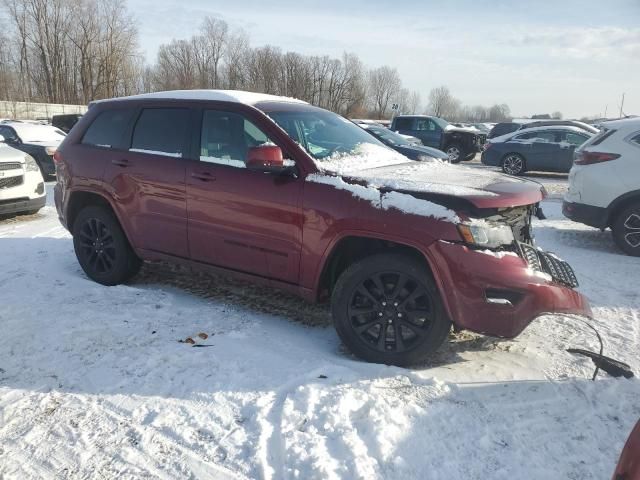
pixel 30 164
pixel 486 235
pixel 425 158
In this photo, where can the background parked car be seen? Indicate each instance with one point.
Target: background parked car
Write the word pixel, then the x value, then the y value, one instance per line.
pixel 547 149
pixel 604 183
pixel 39 141
pixel 458 143
pixel 21 183
pixel 503 128
pixel 65 122
pixel 556 123
pixel 400 144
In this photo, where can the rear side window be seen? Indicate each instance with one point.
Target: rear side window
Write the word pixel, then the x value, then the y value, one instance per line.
pixel 575 138
pixel 635 139
pixel 161 131
pixel 107 129
pixel 404 123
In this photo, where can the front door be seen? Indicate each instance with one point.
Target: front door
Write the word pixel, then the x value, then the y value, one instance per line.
pixel 147 179
pixel 429 132
pixel 238 218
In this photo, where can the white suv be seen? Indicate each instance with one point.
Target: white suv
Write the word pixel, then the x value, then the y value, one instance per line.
pixel 604 183
pixel 21 183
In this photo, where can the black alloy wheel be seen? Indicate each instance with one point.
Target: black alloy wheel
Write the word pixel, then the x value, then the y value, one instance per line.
pixel 387 309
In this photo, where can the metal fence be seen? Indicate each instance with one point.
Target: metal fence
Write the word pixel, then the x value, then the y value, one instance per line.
pixel 36 111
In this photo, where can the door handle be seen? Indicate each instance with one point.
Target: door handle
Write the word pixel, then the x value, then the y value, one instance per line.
pixel 121 163
pixel 203 176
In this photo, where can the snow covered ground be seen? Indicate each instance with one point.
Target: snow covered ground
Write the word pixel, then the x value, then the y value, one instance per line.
pixel 95 384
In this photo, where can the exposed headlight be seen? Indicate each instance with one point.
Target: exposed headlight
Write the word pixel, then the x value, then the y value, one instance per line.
pixel 425 158
pixel 30 164
pixel 486 235
pixel 50 150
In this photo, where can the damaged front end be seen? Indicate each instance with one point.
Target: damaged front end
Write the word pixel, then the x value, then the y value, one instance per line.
pixel 497 279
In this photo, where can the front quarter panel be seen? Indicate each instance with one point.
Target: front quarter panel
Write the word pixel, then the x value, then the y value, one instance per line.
pixel 331 214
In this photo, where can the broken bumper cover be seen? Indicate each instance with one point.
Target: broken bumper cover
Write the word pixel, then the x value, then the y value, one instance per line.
pixel 499 294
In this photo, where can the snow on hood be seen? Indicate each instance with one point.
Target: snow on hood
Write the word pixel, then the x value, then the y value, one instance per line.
pixel 385 169
pixel 364 156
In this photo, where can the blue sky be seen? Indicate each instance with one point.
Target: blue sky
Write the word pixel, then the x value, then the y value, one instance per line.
pixel 537 56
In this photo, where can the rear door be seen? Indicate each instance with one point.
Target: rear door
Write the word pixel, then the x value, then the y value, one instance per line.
pixel 544 151
pixel 147 180
pixel 241 219
pixel 569 141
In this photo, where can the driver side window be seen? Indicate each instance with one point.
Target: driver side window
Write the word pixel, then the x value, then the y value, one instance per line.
pixel 425 124
pixel 226 138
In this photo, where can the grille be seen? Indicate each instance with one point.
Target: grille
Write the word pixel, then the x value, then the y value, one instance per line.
pixel 11 182
pixel 559 270
pixel 10 166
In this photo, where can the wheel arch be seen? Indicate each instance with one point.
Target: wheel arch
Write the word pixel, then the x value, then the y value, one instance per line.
pixel 79 199
pixel 620 203
pixel 353 247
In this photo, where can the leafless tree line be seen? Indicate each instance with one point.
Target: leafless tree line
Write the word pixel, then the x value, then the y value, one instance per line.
pixel 220 57
pixel 68 51
pixel 443 104
pixel 76 51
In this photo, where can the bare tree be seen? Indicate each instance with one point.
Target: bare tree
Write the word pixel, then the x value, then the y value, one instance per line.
pixel 384 84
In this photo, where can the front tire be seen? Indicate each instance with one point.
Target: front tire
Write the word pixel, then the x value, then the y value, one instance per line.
pixel 102 248
pixel 387 309
pixel 455 152
pixel 513 164
pixel 626 230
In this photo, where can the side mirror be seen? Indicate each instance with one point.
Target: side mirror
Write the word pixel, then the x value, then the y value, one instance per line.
pixel 266 158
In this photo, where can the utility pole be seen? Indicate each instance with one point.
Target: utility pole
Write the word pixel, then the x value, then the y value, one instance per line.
pixel 605 111
pixel 621 105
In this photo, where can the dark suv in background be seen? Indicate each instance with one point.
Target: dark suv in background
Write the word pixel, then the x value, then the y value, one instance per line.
pixel 287 194
pixel 458 143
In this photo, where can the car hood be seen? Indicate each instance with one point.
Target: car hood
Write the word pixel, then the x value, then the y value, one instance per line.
pixel 9 154
pixel 482 188
pixel 420 149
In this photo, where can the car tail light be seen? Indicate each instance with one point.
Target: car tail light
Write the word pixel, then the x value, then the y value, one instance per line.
pixel 57 157
pixel 588 158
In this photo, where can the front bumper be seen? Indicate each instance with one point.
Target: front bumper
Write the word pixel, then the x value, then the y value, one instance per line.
pixel 587 214
pixel 21 205
pixel 498 294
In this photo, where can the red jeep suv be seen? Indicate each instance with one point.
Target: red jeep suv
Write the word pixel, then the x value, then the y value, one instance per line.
pixel 281 192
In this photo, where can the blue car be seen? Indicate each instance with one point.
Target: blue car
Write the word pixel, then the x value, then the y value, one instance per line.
pixel 545 149
pixel 401 145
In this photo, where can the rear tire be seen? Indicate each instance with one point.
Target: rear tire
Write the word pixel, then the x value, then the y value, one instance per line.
pixel 455 152
pixel 387 309
pixel 102 248
pixel 514 164
pixel 626 230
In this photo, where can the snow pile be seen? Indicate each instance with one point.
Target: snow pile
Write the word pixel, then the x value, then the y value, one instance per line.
pixel 155 152
pixel 400 201
pixel 235 96
pixel 416 206
pixel 370 194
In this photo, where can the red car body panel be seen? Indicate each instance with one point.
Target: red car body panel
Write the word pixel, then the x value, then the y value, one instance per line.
pixel 282 230
pixel 629 464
